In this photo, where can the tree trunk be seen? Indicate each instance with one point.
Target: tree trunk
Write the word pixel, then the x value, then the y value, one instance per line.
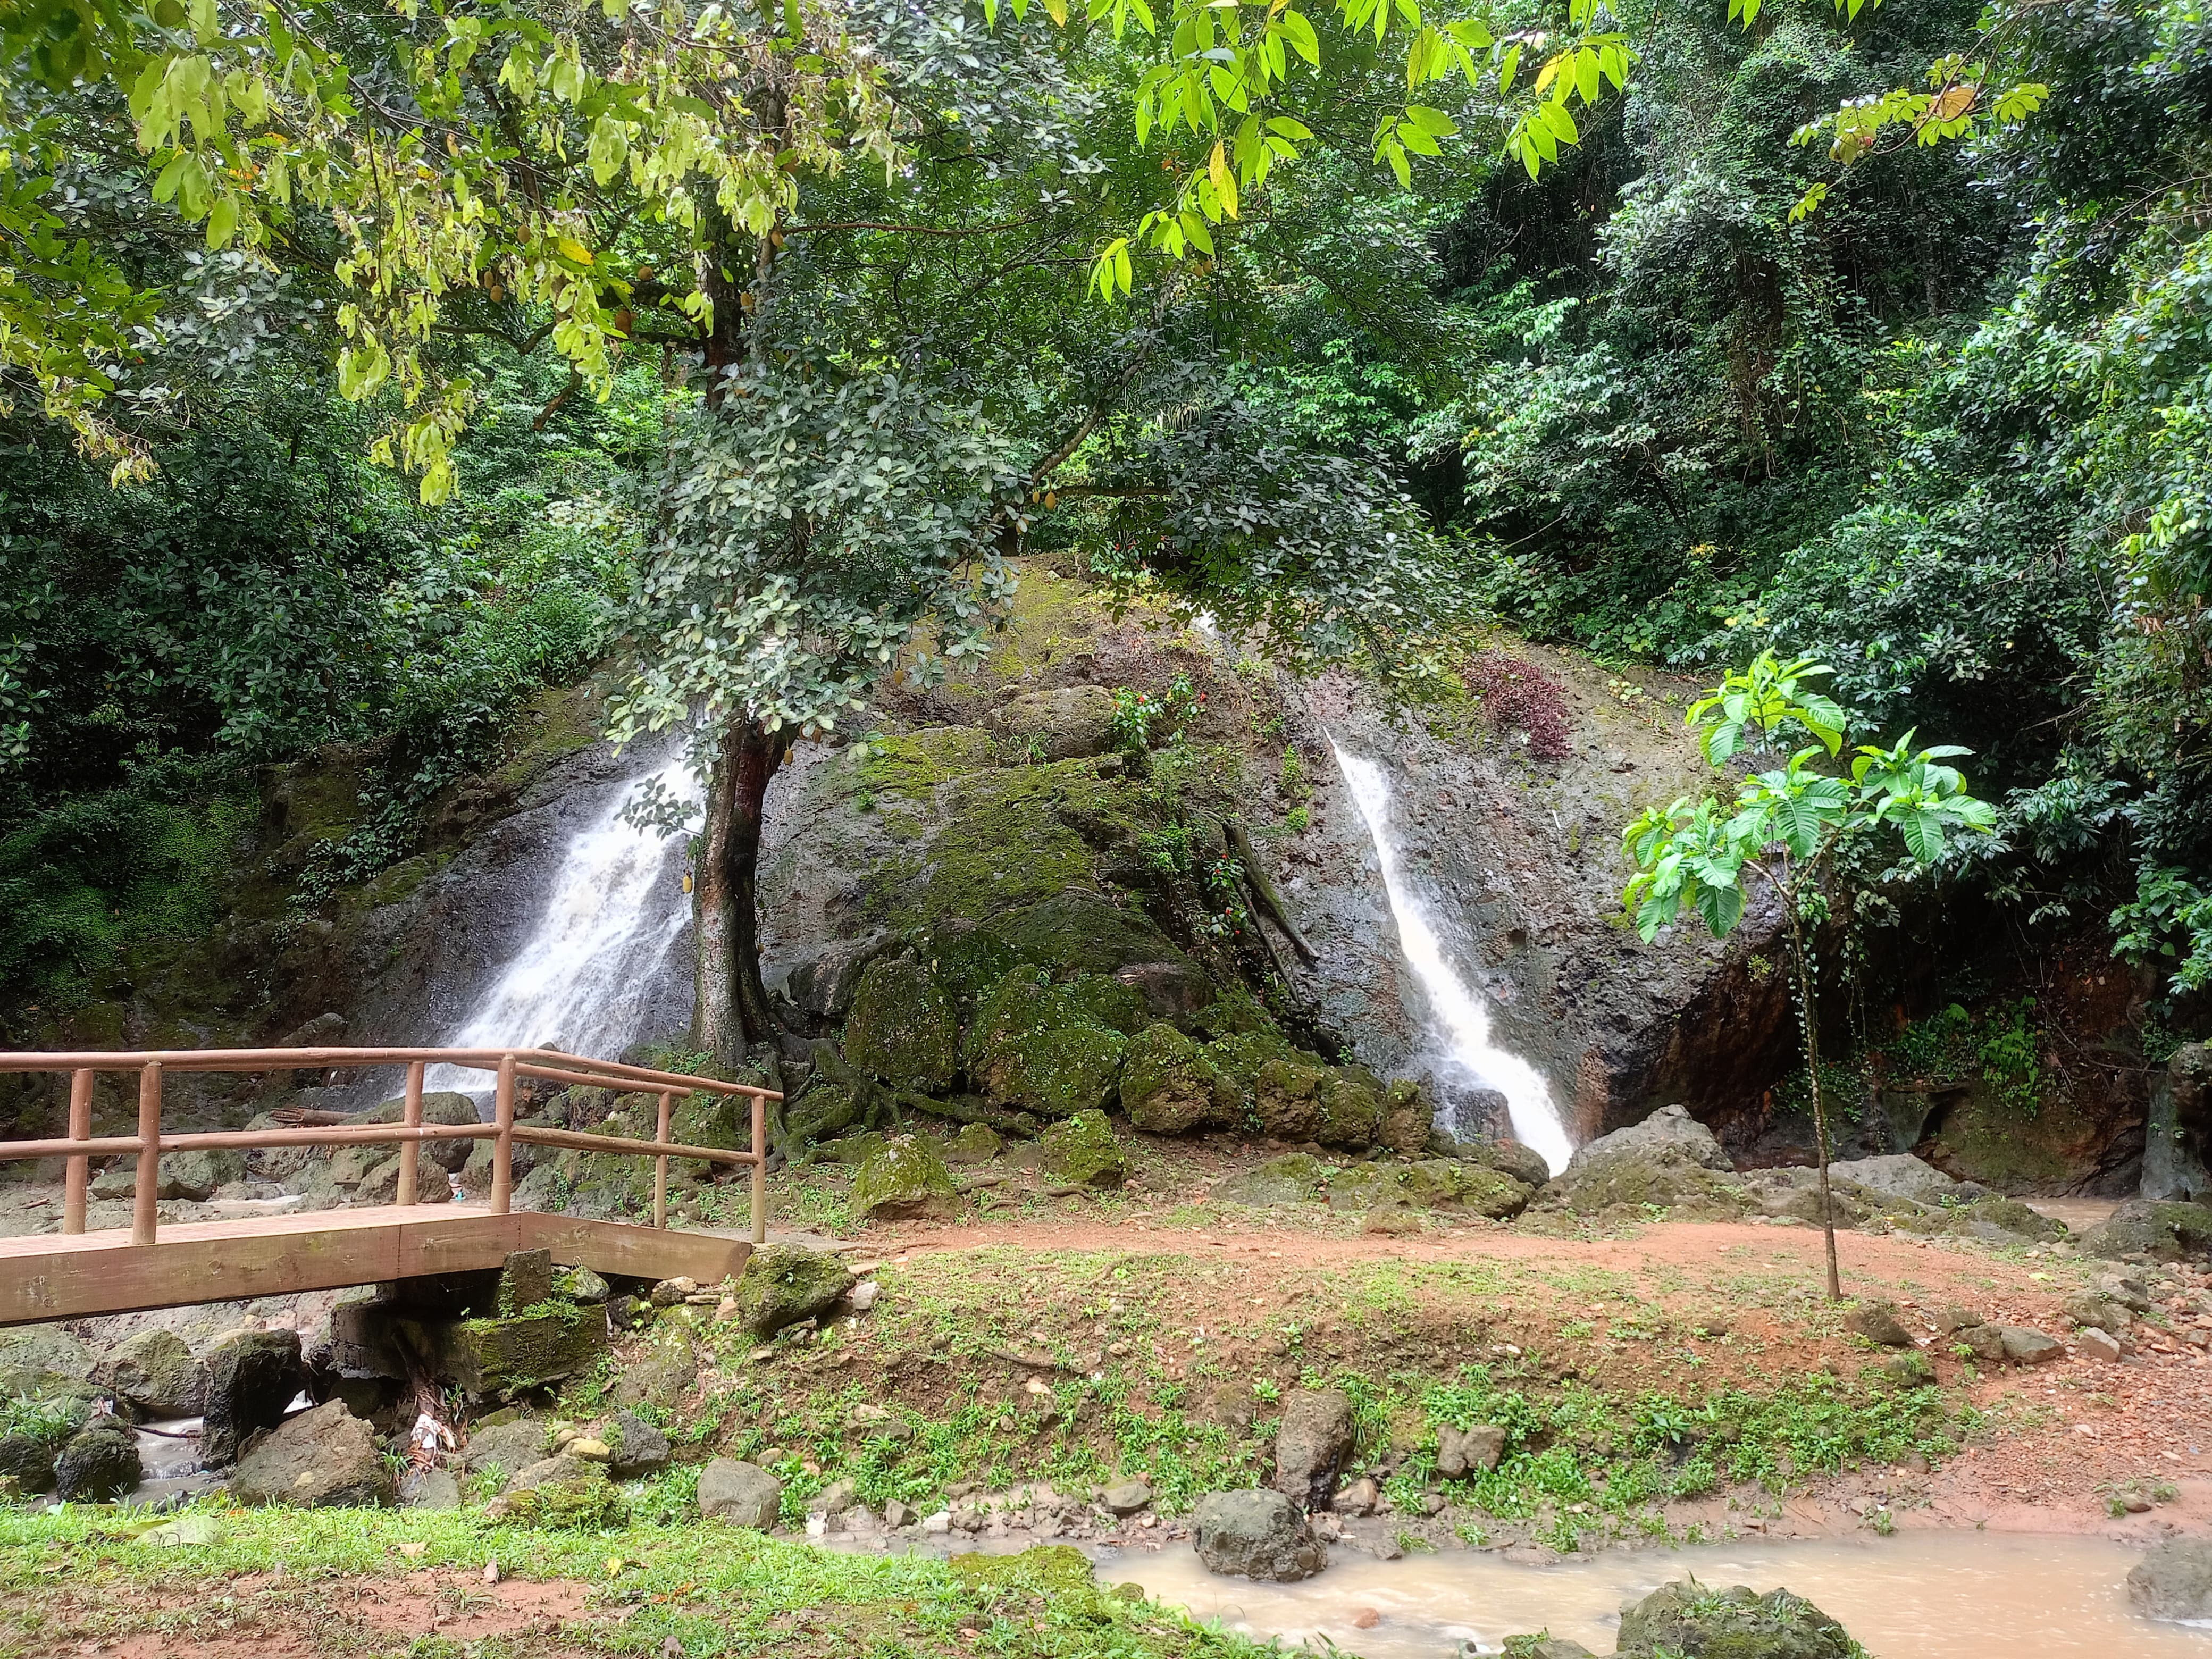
pixel 732 1006
pixel 1811 1013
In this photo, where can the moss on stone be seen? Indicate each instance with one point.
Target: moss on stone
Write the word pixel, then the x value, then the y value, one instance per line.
pixel 1301 1098
pixel 1294 1178
pixel 1082 1149
pixel 1058 1569
pixel 915 763
pixel 903 1028
pixel 590 1503
pixel 1169 1087
pixel 783 1284
pixel 1240 1056
pixel 1038 1046
pixel 1084 932
pixel 903 1178
pixel 1071 1068
pixel 501 1357
pixel 1438 1183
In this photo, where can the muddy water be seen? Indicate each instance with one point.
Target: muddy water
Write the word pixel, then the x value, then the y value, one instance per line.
pixel 1918 1595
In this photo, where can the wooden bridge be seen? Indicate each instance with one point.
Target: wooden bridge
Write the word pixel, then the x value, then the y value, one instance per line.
pixel 76 1273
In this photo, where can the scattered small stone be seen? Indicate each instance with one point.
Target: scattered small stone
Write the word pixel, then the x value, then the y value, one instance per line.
pixel 1365 1619
pixel 1461 1451
pixel 670 1292
pixel 1360 1497
pixel 2097 1344
pixel 2026 1347
pixel 940 1522
pixel 1877 1322
pixel 862 1296
pixel 1125 1498
pixel 897 1515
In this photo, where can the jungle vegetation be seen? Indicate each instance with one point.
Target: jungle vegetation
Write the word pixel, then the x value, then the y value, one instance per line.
pixel 367 366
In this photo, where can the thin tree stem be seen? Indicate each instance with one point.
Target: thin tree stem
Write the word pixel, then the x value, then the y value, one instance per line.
pixel 1809 1012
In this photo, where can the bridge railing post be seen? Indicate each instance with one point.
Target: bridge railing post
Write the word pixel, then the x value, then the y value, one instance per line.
pixel 78 1182
pixel 660 1164
pixel 410 1113
pixel 143 1215
pixel 760 1170
pixel 503 1115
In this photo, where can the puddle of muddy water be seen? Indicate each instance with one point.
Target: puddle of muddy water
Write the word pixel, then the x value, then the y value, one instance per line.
pixel 1919 1596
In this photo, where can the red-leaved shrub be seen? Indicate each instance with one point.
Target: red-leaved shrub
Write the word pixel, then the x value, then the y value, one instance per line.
pixel 1517 695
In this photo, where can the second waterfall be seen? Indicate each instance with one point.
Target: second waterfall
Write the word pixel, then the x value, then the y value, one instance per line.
pixel 1461 1021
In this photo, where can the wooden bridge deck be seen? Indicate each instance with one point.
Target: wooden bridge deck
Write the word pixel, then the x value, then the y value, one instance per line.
pixel 69 1276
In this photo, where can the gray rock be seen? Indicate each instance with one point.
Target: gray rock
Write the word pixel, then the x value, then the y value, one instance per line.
pixel 1547 1647
pixel 742 1494
pixel 1985 1342
pixel 1067 722
pixel 430 1489
pixel 899 1180
pixel 99 1464
pixel 2163 1230
pixel 554 1470
pixel 664 1375
pixel 1669 1130
pixel 1689 1618
pixel 581 1285
pixel 1294 1178
pixel 1254 1535
pixel 1877 1322
pixel 39 1362
pixel 2088 1308
pixel 2130 1291
pixel 195 1176
pixel 1314 1439
pixel 2174 1580
pixel 155 1372
pixel 252 1377
pixel 1670 1161
pixel 2026 1347
pixel 1524 1164
pixel 832 1499
pixel 1464 1451
pixel 508 1447
pixel 2098 1344
pixel 324 1458
pixel 28 1460
pixel 634 1448
pixel 783 1284
pixel 1126 1496
pixel 1898 1174
pixel 445 1107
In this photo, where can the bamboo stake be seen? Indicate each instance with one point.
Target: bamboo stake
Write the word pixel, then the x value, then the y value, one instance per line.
pixel 502 1162
pixel 80 1166
pixel 411 1151
pixel 143 1215
pixel 660 1164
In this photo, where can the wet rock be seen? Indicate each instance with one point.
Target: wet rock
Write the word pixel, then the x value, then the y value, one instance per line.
pixel 28 1460
pixel 903 1027
pixel 1360 1497
pixel 634 1448
pixel 1254 1535
pixel 1068 722
pixel 1877 1322
pixel 976 1143
pixel 322 1458
pixel 2026 1347
pixel 1303 1099
pixel 1312 1444
pixel 1524 1164
pixel 1294 1178
pixel 2162 1229
pixel 739 1494
pixel 252 1377
pixel 2174 1580
pixel 1463 1451
pixel 1694 1620
pixel 98 1464
pixel 1055 1050
pixel 904 1179
pixel 783 1284
pixel 442 1107
pixel 155 1372
pixel 1126 1496
pixel 1082 1149
pixel 1409 1117
pixel 1168 1086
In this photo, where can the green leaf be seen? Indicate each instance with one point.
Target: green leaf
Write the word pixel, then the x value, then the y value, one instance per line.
pixel 1722 909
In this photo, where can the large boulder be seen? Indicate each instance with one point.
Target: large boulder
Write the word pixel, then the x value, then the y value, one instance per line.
pixel 2174 1581
pixel 901 1179
pixel 1293 1178
pixel 1900 1174
pixel 1077 932
pixel 1254 1535
pixel 192 1177
pixel 252 1376
pixel 28 1460
pixel 508 1448
pixel 1670 1161
pixel 903 1027
pixel 1311 1445
pixel 42 1362
pixel 1303 1099
pixel 1435 1183
pixel 447 1108
pixel 1169 1087
pixel 1082 1149
pixel 742 1494
pixel 1053 1049
pixel 1688 1621
pixel 99 1464
pixel 1067 722
pixel 2163 1230
pixel 321 1459
pixel 783 1284
pixel 153 1373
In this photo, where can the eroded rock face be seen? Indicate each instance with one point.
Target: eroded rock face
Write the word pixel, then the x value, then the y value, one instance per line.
pixel 252 1378
pixel 1254 1535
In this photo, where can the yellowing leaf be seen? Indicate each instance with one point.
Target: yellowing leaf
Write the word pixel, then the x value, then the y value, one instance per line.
pixel 1224 177
pixel 573 250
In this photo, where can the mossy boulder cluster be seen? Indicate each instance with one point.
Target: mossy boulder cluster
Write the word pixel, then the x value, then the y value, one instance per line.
pixel 1689 1620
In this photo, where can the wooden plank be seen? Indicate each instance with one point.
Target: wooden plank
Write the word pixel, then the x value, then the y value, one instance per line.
pixel 62 1276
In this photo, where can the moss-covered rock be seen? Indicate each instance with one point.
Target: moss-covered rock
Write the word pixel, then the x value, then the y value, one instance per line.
pixel 1409 1116
pixel 504 1357
pixel 1040 1048
pixel 901 1179
pixel 1079 932
pixel 2163 1230
pixel 1056 1569
pixel 1082 1149
pixel 1300 1099
pixel 1435 1183
pixel 1168 1086
pixel 903 1028
pixel 1686 1618
pixel 976 1143
pixel 1294 1178
pixel 1065 722
pixel 584 1502
pixel 783 1284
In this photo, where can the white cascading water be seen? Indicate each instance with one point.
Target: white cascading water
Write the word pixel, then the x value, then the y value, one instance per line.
pixel 1462 1021
pixel 583 976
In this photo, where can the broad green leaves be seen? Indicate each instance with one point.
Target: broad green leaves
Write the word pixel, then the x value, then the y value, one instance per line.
pixel 1957 104
pixel 1786 822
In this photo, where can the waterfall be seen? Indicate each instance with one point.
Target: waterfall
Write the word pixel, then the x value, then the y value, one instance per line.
pixel 1461 1022
pixel 585 973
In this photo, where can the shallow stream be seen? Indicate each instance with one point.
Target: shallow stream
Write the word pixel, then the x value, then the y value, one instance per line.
pixel 1916 1595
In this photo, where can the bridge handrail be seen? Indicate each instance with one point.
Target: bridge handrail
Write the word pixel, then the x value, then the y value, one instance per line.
pixel 80 1146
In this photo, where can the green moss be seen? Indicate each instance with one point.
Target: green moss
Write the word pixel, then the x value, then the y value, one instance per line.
pixel 1431 1184
pixel 1168 1086
pixel 588 1504
pixel 1034 1045
pixel 1071 1068
pixel 903 1027
pixel 1240 1056
pixel 1294 1178
pixel 904 1178
pixel 916 763
pixel 1082 1149
pixel 1301 1098
pixel 1057 1569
